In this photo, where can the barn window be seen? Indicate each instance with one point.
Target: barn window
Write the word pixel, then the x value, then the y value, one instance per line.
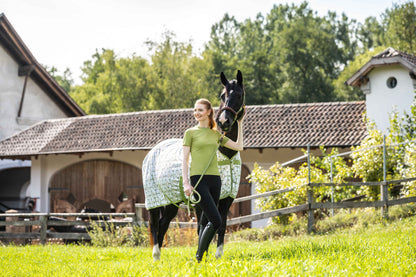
pixel 391 82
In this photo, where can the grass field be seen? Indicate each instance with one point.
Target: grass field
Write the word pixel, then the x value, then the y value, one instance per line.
pixel 387 249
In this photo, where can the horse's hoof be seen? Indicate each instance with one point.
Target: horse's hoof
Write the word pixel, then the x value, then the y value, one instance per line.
pixel 156 253
pixel 220 251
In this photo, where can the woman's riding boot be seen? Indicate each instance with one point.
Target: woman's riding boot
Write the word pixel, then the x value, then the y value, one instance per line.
pixel 205 240
pixel 200 232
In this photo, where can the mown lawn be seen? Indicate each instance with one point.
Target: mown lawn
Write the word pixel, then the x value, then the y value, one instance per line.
pixel 382 250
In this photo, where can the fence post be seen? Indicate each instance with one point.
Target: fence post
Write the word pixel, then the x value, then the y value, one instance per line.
pixel 138 216
pixel 311 219
pixel 383 187
pixel 43 228
pixel 332 188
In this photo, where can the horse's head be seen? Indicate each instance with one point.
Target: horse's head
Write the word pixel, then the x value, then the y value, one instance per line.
pixel 232 102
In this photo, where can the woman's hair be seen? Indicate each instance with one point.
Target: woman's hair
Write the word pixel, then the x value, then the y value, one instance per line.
pixel 212 123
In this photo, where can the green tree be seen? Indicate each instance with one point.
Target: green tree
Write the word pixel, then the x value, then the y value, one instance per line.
pixel 370 33
pixel 180 77
pixel 65 80
pixel 113 85
pixel 309 53
pixel 396 28
pixel 343 92
pixel 291 55
pixel 400 27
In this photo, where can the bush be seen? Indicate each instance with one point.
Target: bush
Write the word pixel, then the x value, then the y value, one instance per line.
pixel 278 177
pixel 111 235
pixel 357 219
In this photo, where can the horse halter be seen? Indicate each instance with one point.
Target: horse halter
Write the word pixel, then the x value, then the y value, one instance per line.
pixel 235 113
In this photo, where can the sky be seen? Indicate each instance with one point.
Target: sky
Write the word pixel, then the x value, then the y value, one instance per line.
pixel 65 33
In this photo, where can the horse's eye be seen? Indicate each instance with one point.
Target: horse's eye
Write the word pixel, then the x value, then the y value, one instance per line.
pixel 223 96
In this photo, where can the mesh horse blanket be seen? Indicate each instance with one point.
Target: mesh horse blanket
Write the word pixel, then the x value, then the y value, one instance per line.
pixel 162 174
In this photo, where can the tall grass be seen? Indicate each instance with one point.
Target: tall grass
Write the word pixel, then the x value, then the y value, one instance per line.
pixel 383 249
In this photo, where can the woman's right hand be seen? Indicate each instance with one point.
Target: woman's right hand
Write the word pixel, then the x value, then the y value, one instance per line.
pixel 187 188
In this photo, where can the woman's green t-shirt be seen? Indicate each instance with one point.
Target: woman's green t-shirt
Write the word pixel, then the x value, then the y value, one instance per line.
pixel 203 142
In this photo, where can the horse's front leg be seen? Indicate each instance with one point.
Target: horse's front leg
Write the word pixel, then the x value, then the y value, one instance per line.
pixel 168 213
pixel 154 230
pixel 223 207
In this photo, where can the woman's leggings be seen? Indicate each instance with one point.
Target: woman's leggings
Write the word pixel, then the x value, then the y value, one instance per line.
pixel 210 189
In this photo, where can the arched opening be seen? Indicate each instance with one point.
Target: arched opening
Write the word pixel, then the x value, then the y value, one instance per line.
pixel 13 185
pixel 98 184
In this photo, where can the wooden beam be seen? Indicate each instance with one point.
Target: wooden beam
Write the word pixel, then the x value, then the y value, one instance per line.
pixel 24 70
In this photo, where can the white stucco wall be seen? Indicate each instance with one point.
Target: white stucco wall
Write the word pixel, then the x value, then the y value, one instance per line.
pixel 37 105
pixel 381 100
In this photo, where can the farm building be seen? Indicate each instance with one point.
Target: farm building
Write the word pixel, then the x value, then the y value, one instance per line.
pixel 28 94
pixel 95 161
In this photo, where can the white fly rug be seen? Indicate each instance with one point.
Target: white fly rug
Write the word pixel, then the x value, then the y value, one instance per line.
pixel 162 174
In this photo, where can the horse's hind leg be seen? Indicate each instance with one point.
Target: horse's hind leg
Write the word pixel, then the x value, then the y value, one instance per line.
pixel 154 230
pixel 223 207
pixel 168 213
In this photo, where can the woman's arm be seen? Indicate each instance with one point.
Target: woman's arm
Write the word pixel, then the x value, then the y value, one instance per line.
pixel 237 145
pixel 187 188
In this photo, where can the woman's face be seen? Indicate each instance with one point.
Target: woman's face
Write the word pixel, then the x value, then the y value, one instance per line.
pixel 201 112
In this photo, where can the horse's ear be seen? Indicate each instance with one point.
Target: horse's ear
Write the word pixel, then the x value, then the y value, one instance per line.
pixel 239 78
pixel 224 80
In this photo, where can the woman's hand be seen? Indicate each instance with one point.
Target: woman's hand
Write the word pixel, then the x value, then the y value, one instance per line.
pixel 187 188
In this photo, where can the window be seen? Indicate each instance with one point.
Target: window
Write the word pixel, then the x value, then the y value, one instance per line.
pixel 391 82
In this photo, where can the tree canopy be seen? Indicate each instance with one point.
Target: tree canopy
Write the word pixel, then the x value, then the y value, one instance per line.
pixel 289 55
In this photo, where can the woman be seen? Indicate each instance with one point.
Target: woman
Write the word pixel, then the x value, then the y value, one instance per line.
pixel 201 142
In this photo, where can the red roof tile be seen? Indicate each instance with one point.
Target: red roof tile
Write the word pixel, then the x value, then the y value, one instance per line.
pixel 266 126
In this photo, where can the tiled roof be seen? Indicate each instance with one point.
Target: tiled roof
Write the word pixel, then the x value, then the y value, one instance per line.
pixel 391 52
pixel 388 57
pixel 265 126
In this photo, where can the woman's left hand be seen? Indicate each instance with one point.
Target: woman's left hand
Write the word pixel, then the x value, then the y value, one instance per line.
pixel 187 188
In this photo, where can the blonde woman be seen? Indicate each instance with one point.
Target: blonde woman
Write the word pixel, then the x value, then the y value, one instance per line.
pixel 201 142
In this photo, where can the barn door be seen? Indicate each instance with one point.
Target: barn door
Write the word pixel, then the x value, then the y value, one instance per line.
pixel 95 181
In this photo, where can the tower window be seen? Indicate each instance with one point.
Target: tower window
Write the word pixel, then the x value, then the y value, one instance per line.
pixel 391 82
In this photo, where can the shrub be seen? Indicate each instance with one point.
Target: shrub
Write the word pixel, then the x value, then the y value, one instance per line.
pixel 278 177
pixel 344 219
pixel 111 235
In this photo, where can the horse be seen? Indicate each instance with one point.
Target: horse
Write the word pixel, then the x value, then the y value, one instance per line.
pixel 162 171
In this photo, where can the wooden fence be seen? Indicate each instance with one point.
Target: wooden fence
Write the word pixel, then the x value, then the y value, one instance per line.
pixel 34 226
pixel 22 228
pixel 310 205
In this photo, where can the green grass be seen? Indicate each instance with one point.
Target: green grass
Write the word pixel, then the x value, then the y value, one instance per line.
pixel 385 249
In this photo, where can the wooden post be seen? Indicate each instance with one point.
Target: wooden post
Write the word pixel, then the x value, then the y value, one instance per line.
pixel 43 228
pixel 383 187
pixel 138 216
pixel 332 188
pixel 311 219
pixel 384 192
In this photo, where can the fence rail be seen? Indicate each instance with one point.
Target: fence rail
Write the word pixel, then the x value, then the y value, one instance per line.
pixel 36 226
